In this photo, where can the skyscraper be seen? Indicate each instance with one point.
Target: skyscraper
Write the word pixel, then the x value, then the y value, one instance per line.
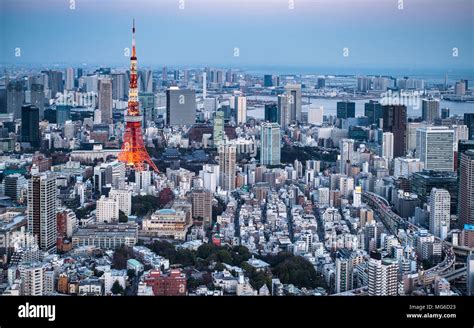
pixel 440 208
pixel 271 113
pixel 15 98
pixel 218 128
pixel 430 110
pixel 373 111
pixel 345 109
pixel 180 106
pixel 315 115
pixel 227 162
pixel 270 150
pixel 30 125
pixel 470 275
pixel 202 205
pixel 42 210
pixel 434 147
pixel 469 121
pixel 466 188
pixel 240 107
pixel 267 80
pixel 284 117
pixel 69 82
pixel 63 114
pixel 105 99
pixel 294 101
pixel 37 97
pixel 395 121
pixel 118 86
pixel 387 146
pixel 346 147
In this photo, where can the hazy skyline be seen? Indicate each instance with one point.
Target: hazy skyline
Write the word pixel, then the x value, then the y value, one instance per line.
pixel 267 33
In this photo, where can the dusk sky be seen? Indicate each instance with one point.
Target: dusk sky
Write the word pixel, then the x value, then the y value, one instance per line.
pixel 267 33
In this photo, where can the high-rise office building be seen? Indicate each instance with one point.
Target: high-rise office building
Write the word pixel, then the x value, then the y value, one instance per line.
pixel 445 113
pixel 469 121
pixel 240 107
pixel 346 147
pixel 107 210
pixel 440 211
pixel 55 80
pixel 434 147
pixel 13 184
pixel 411 135
pixel 466 188
pixel 30 125
pixel 387 146
pixel 271 113
pixel 180 106
pixel 123 197
pixel 218 128
pixel 69 81
pixel 315 115
pixel 37 98
pixel 430 110
pixel 105 99
pixel 15 98
pixel 63 114
pixel 42 211
pixel 119 86
pixel 363 83
pixel 423 182
pixel 345 109
pixel 373 111
pixel 270 150
pixel 268 80
pixel 293 92
pixel 395 121
pixel 227 165
pixel 202 205
pixel 284 117
pixel 470 275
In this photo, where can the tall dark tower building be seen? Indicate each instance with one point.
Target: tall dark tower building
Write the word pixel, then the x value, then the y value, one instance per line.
pixel 345 109
pixel 466 187
pixel 373 111
pixel 469 121
pixel 15 98
pixel 30 125
pixel 37 97
pixel 395 121
pixel 271 113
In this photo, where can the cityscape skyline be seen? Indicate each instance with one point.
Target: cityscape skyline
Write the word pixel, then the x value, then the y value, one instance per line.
pixel 237 148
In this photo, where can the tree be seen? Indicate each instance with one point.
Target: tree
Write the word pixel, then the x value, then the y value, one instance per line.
pixel 121 255
pixel 166 195
pixel 122 217
pixel 298 271
pixel 117 289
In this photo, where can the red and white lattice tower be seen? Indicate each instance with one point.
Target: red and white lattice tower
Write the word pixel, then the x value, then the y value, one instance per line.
pixel 134 153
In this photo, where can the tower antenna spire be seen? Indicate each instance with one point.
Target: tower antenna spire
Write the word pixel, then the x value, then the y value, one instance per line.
pixel 134 52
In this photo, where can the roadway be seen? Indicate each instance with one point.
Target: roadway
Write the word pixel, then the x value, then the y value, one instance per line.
pixel 393 222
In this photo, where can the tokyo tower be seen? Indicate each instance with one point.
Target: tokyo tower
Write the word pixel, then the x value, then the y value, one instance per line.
pixel 134 153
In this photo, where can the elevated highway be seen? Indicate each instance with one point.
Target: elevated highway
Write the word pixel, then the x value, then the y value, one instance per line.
pixel 393 222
